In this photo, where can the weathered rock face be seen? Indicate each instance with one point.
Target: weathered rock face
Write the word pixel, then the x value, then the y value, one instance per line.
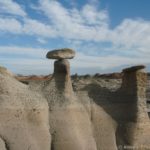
pixel 64 53
pixel 91 115
pixel 134 86
pixel 4 71
pixel 62 76
pixel 134 91
pixel 23 117
pixel 2 145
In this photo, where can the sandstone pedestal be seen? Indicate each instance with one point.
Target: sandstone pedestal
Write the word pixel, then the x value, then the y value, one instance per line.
pixel 136 127
pixel 134 86
pixel 70 124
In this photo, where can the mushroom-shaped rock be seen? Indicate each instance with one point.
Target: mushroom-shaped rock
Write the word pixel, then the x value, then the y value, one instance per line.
pixel 134 68
pixel 70 124
pixel 64 53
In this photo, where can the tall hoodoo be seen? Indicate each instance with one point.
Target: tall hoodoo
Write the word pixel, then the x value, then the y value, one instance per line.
pixel 62 68
pixel 136 124
pixel 134 84
pixel 70 124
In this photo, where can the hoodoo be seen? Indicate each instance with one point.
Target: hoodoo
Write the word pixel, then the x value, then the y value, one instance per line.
pixel 137 124
pixel 61 113
pixel 70 124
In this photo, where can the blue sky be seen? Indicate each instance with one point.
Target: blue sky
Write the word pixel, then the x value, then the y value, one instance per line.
pixel 107 35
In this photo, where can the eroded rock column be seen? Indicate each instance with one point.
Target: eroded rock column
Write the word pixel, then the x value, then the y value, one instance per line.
pixel 136 127
pixel 134 86
pixel 70 124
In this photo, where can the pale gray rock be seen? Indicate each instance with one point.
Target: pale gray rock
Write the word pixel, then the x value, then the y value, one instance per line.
pixel 5 71
pixel 95 114
pixel 64 53
pixel 23 117
pixel 2 145
pixel 70 124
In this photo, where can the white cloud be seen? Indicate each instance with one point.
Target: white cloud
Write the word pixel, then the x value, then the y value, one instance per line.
pixel 28 61
pixel 11 7
pixel 88 24
pixel 38 64
pixel 41 40
pixel 28 66
pixel 94 17
pixel 91 24
pixel 132 33
pixel 23 51
pixel 10 25
pixel 35 53
pixel 103 62
pixel 34 27
pixel 27 27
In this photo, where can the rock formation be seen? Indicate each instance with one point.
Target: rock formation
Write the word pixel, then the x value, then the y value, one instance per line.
pixel 135 125
pixel 2 144
pixel 102 114
pixel 70 124
pixel 5 71
pixel 23 117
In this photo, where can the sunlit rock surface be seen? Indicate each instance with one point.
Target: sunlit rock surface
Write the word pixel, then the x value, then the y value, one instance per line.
pixel 82 113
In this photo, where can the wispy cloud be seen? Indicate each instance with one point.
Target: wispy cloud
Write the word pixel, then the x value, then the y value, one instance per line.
pixel 83 27
pixel 87 24
pixel 35 27
pixel 10 25
pixel 41 40
pixel 23 51
pixel 25 60
pixel 11 7
pixel 38 64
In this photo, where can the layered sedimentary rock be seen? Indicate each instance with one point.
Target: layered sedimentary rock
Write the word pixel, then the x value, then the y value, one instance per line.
pixel 90 115
pixel 135 125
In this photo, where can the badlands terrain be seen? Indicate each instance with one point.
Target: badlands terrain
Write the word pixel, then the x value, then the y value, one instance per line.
pixel 63 112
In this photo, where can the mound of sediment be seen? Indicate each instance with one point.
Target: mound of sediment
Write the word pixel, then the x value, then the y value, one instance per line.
pixel 23 117
pixel 5 71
